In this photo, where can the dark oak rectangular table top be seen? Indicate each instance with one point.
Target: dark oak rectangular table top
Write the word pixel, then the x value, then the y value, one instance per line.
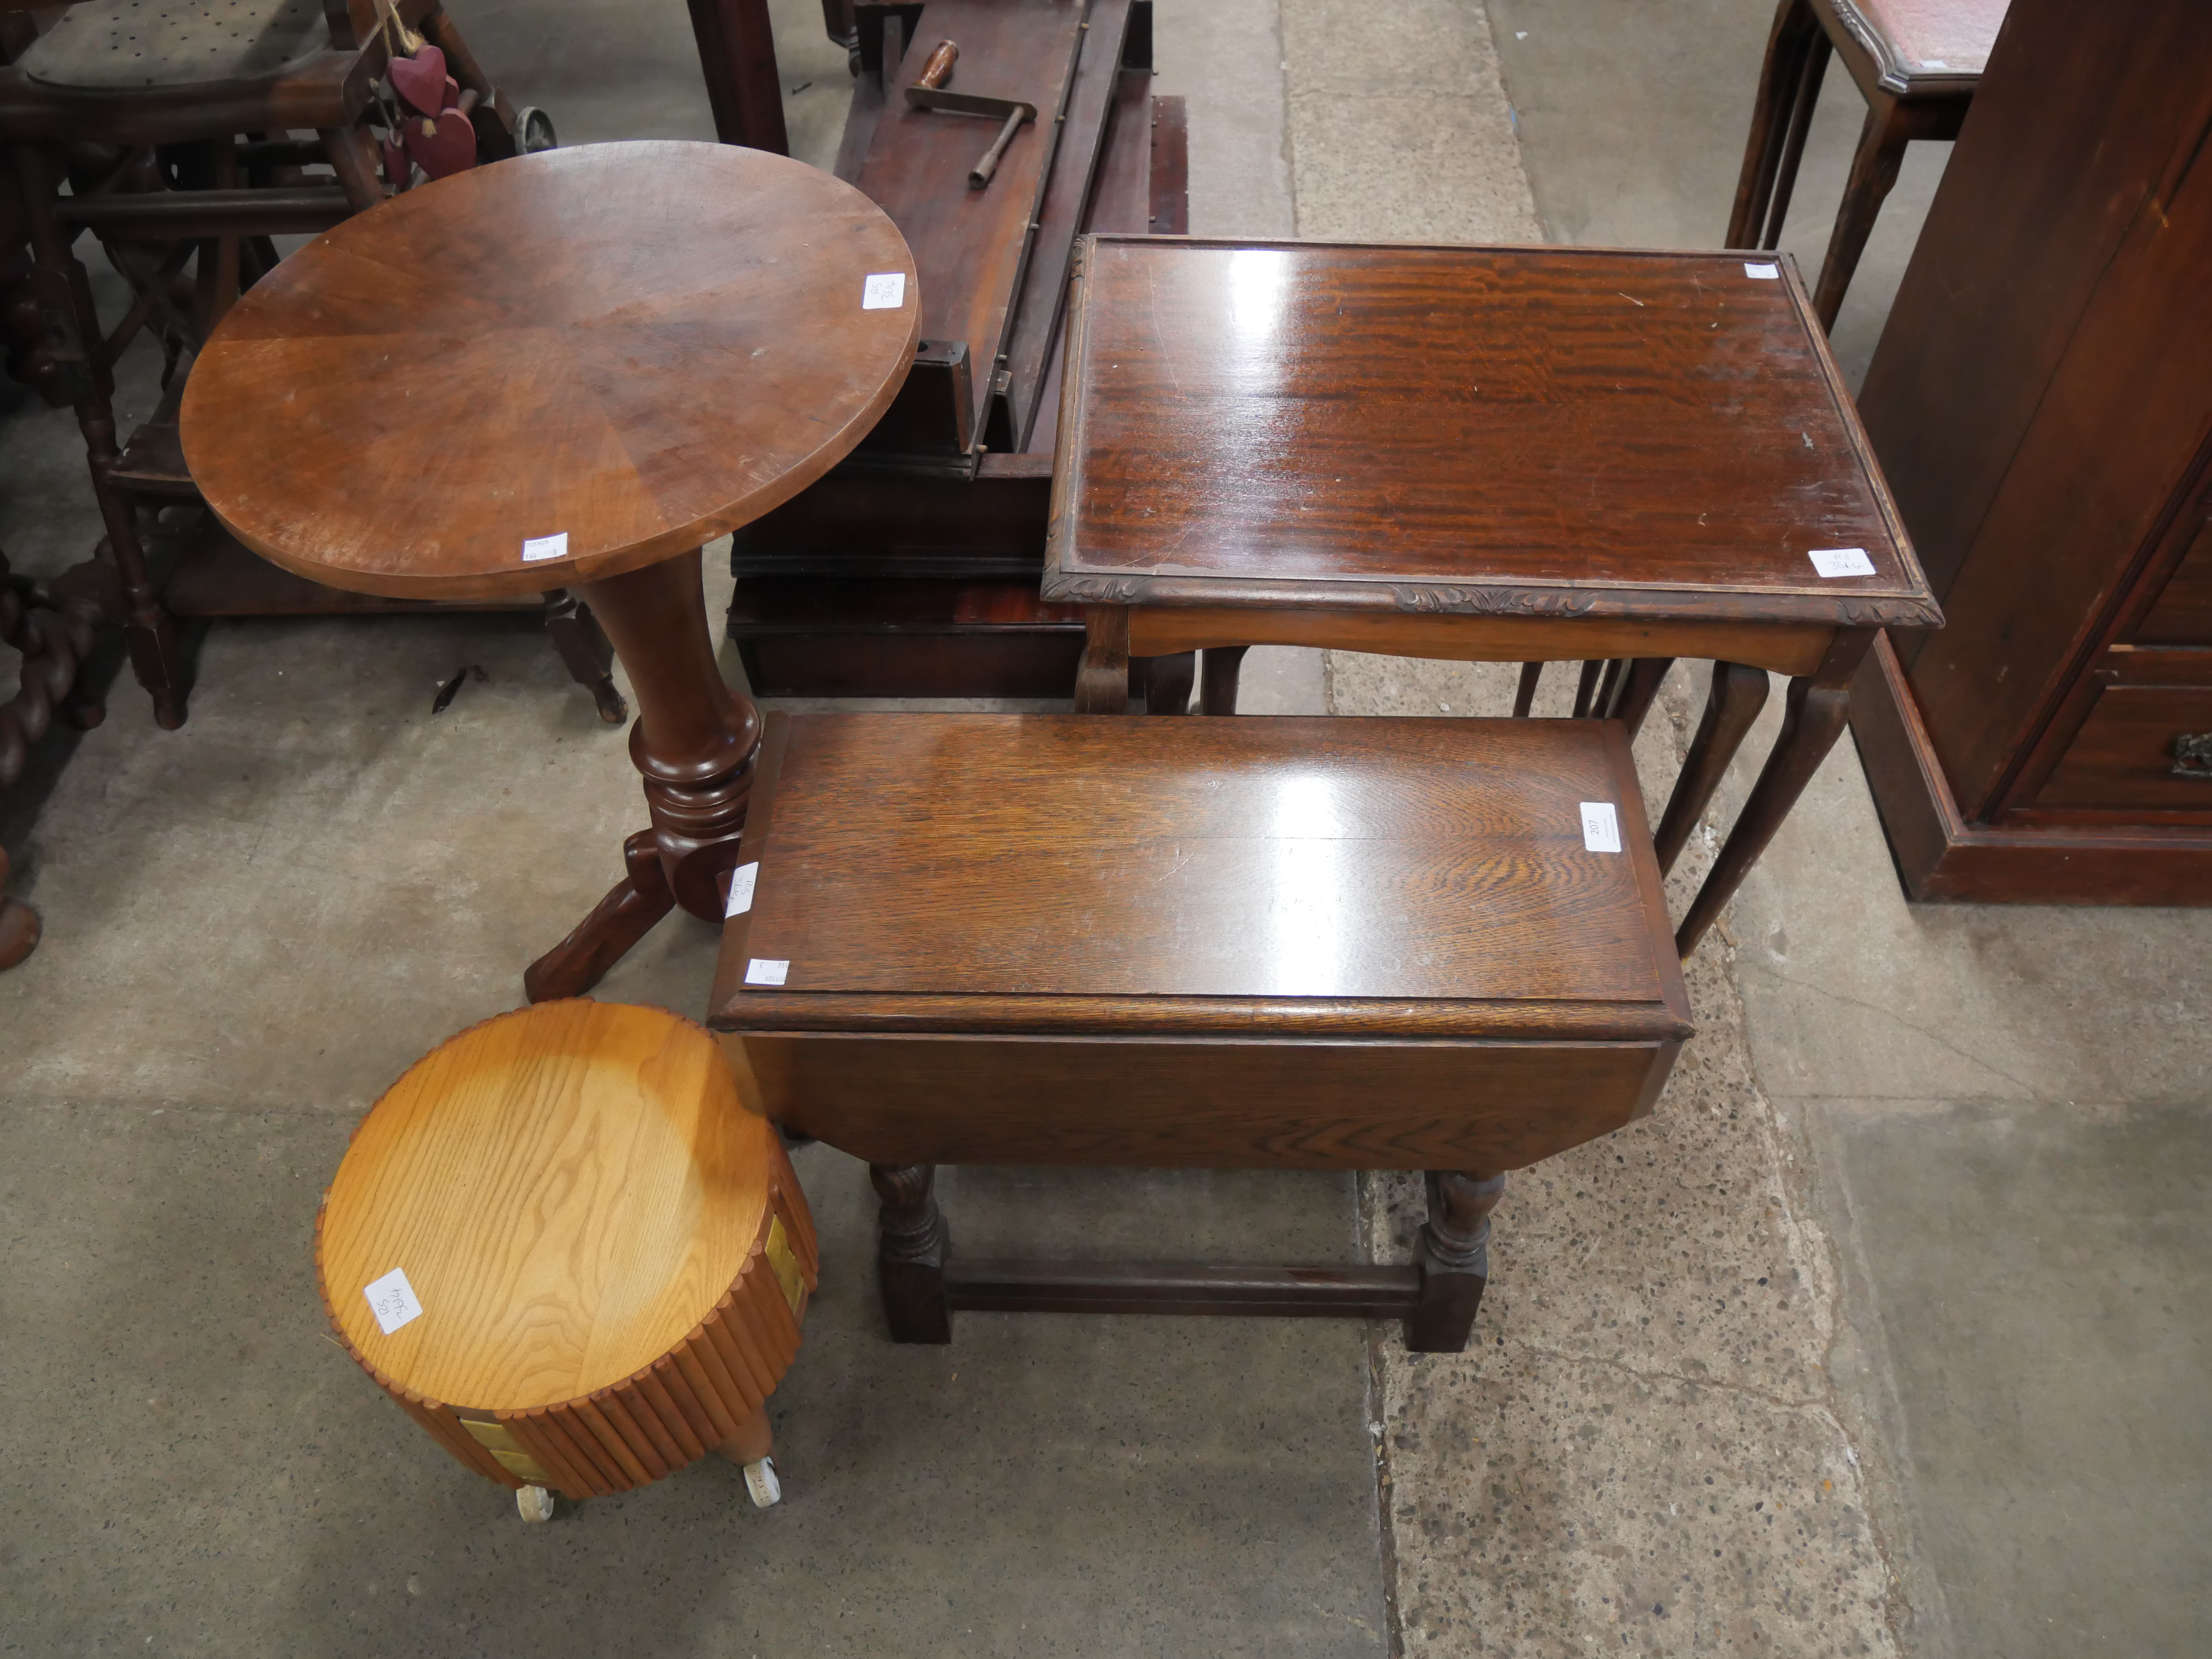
pixel 1308 942
pixel 1517 431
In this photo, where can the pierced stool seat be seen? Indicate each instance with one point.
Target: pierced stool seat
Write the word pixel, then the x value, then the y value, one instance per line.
pixel 124 45
pixel 570 1254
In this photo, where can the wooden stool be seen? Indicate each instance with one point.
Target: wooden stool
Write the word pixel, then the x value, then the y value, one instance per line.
pixel 174 127
pixel 562 1244
pixel 1303 944
pixel 1918 63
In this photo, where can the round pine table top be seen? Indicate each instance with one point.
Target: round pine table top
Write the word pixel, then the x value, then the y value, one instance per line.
pixel 566 1191
pixel 552 369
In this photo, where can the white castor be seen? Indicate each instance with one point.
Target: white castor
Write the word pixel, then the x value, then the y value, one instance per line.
pixel 536 1503
pixel 760 1480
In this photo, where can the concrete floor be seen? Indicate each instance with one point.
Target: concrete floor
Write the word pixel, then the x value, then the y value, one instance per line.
pixel 1886 1333
pixel 2000 1112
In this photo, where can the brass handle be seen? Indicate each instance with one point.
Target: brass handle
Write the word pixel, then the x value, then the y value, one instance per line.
pixel 2192 755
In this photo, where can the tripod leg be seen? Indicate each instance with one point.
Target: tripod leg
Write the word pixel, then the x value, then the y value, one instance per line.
pixel 624 917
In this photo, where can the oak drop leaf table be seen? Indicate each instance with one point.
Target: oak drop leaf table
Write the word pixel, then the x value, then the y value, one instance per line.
pixel 1487 454
pixel 568 369
pixel 1306 943
pixel 565 1250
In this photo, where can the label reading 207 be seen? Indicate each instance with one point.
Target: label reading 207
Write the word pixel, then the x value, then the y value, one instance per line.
pixel 1600 827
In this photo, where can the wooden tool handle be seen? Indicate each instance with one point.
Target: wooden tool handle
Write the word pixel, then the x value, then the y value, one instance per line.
pixel 938 69
pixel 980 174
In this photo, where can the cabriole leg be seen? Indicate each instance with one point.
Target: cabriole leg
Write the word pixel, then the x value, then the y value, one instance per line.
pixel 1817 708
pixel 1739 693
pixel 1168 682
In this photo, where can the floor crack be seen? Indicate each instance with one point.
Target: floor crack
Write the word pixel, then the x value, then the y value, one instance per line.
pixel 1781 1402
pixel 1891 1014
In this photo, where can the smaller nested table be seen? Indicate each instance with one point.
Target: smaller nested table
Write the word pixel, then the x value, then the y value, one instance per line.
pixel 1916 63
pixel 1487 453
pixel 565 1247
pixel 568 369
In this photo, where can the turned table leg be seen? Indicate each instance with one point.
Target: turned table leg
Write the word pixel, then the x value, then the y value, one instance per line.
pixel 912 1243
pixel 1814 716
pixel 72 325
pixel 695 743
pixel 1454 1257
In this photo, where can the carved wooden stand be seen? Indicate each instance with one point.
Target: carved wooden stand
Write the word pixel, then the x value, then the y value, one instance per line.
pixel 694 744
pixel 1438 1296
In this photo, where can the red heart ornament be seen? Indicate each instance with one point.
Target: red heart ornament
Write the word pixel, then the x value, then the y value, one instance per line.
pixel 449 146
pixel 397 169
pixel 421 80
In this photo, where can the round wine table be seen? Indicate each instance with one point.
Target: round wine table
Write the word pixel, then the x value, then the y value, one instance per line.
pixel 568 369
pixel 567 1249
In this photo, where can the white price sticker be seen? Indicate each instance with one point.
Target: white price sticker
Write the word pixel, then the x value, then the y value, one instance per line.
pixel 392 1299
pixel 1763 273
pixel 741 890
pixel 1600 827
pixel 1832 562
pixel 884 291
pixel 545 547
pixel 761 971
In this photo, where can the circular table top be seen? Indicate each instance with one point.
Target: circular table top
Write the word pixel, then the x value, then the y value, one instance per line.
pixel 568 1190
pixel 635 347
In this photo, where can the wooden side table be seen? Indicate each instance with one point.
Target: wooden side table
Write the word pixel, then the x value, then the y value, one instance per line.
pixel 1917 63
pixel 568 369
pixel 565 1249
pixel 1520 454
pixel 1306 943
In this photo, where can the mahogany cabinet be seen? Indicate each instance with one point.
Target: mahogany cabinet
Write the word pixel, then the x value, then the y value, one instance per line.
pixel 2041 402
